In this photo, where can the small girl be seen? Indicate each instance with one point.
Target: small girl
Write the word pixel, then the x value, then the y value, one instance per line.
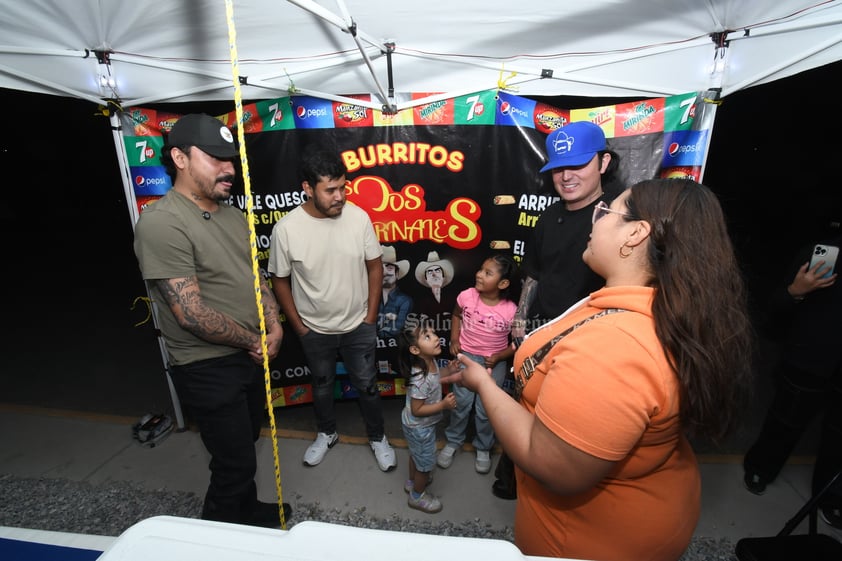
pixel 480 329
pixel 419 346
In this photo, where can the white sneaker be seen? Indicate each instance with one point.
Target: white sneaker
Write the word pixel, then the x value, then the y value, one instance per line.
pixel 425 503
pixel 445 456
pixel 316 452
pixel 483 462
pixel 384 453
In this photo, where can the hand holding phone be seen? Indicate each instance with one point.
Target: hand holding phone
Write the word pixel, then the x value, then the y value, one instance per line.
pixel 826 253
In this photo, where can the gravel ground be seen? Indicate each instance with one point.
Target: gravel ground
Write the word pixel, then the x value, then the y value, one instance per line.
pixel 68 506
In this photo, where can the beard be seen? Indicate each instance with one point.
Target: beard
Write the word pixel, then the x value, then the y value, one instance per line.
pixel 210 190
pixel 328 210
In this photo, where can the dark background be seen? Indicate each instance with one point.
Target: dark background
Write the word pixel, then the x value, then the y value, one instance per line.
pixel 74 340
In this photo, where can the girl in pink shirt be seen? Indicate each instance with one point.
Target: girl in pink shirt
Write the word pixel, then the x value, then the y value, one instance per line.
pixel 481 329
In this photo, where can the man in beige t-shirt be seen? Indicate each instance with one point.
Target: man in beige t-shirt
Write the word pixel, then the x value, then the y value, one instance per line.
pixel 327 274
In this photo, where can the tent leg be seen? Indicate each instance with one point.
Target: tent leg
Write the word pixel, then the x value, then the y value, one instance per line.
pixel 134 214
pixel 176 404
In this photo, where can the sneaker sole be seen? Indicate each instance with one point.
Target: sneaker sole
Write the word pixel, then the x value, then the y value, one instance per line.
pixel 417 507
pixel 754 489
pixel 388 469
pixel 502 493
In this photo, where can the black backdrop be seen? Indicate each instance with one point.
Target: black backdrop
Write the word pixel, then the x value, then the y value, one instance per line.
pixel 446 183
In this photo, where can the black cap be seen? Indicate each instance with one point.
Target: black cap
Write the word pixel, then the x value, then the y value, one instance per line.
pixel 206 133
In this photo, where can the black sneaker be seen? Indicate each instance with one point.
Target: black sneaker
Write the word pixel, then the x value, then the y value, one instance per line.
pixel 266 515
pixel 832 515
pixel 754 483
pixel 502 490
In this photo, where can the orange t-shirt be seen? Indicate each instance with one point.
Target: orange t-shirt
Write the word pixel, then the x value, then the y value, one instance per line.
pixel 608 390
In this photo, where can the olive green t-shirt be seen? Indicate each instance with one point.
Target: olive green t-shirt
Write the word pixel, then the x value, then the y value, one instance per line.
pixel 173 239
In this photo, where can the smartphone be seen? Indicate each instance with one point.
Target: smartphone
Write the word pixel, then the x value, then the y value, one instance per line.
pixel 826 253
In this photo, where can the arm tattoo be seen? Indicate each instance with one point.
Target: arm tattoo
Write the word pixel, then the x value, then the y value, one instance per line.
pixel 184 298
pixel 271 312
pixel 527 297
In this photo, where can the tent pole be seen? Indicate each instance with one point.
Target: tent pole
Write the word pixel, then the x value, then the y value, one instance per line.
pixel 332 18
pixel 134 213
pixel 125 172
pixel 709 105
pixel 350 26
pixel 712 97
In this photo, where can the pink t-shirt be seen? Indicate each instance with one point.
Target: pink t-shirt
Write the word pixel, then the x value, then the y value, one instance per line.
pixel 485 329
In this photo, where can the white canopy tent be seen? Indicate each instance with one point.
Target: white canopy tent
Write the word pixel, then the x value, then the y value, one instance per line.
pixel 180 50
pixel 122 54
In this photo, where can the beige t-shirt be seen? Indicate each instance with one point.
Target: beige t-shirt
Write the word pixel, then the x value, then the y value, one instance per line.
pixel 325 260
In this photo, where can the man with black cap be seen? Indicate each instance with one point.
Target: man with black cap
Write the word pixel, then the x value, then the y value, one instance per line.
pixel 555 276
pixel 193 251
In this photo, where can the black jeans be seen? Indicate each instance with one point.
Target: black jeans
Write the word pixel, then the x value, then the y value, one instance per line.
pixel 226 397
pixel 799 397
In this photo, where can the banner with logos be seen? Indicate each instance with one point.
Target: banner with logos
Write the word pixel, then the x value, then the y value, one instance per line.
pixel 445 184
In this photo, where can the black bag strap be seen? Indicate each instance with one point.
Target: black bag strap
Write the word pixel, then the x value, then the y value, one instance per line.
pixel 530 362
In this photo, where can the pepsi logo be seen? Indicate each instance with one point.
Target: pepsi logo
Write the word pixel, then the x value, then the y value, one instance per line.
pixel 139 180
pixel 505 107
pixel 676 148
pixel 301 111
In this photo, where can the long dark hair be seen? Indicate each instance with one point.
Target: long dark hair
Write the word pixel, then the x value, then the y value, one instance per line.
pixel 700 306
pixel 408 337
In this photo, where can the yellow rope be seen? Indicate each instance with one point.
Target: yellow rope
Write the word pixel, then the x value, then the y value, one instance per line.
pixel 148 301
pixel 502 82
pixel 241 137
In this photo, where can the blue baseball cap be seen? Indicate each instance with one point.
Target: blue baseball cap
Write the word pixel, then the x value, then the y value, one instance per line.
pixel 574 144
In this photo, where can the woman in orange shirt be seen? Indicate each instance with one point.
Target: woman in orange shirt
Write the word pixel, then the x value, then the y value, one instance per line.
pixel 611 388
